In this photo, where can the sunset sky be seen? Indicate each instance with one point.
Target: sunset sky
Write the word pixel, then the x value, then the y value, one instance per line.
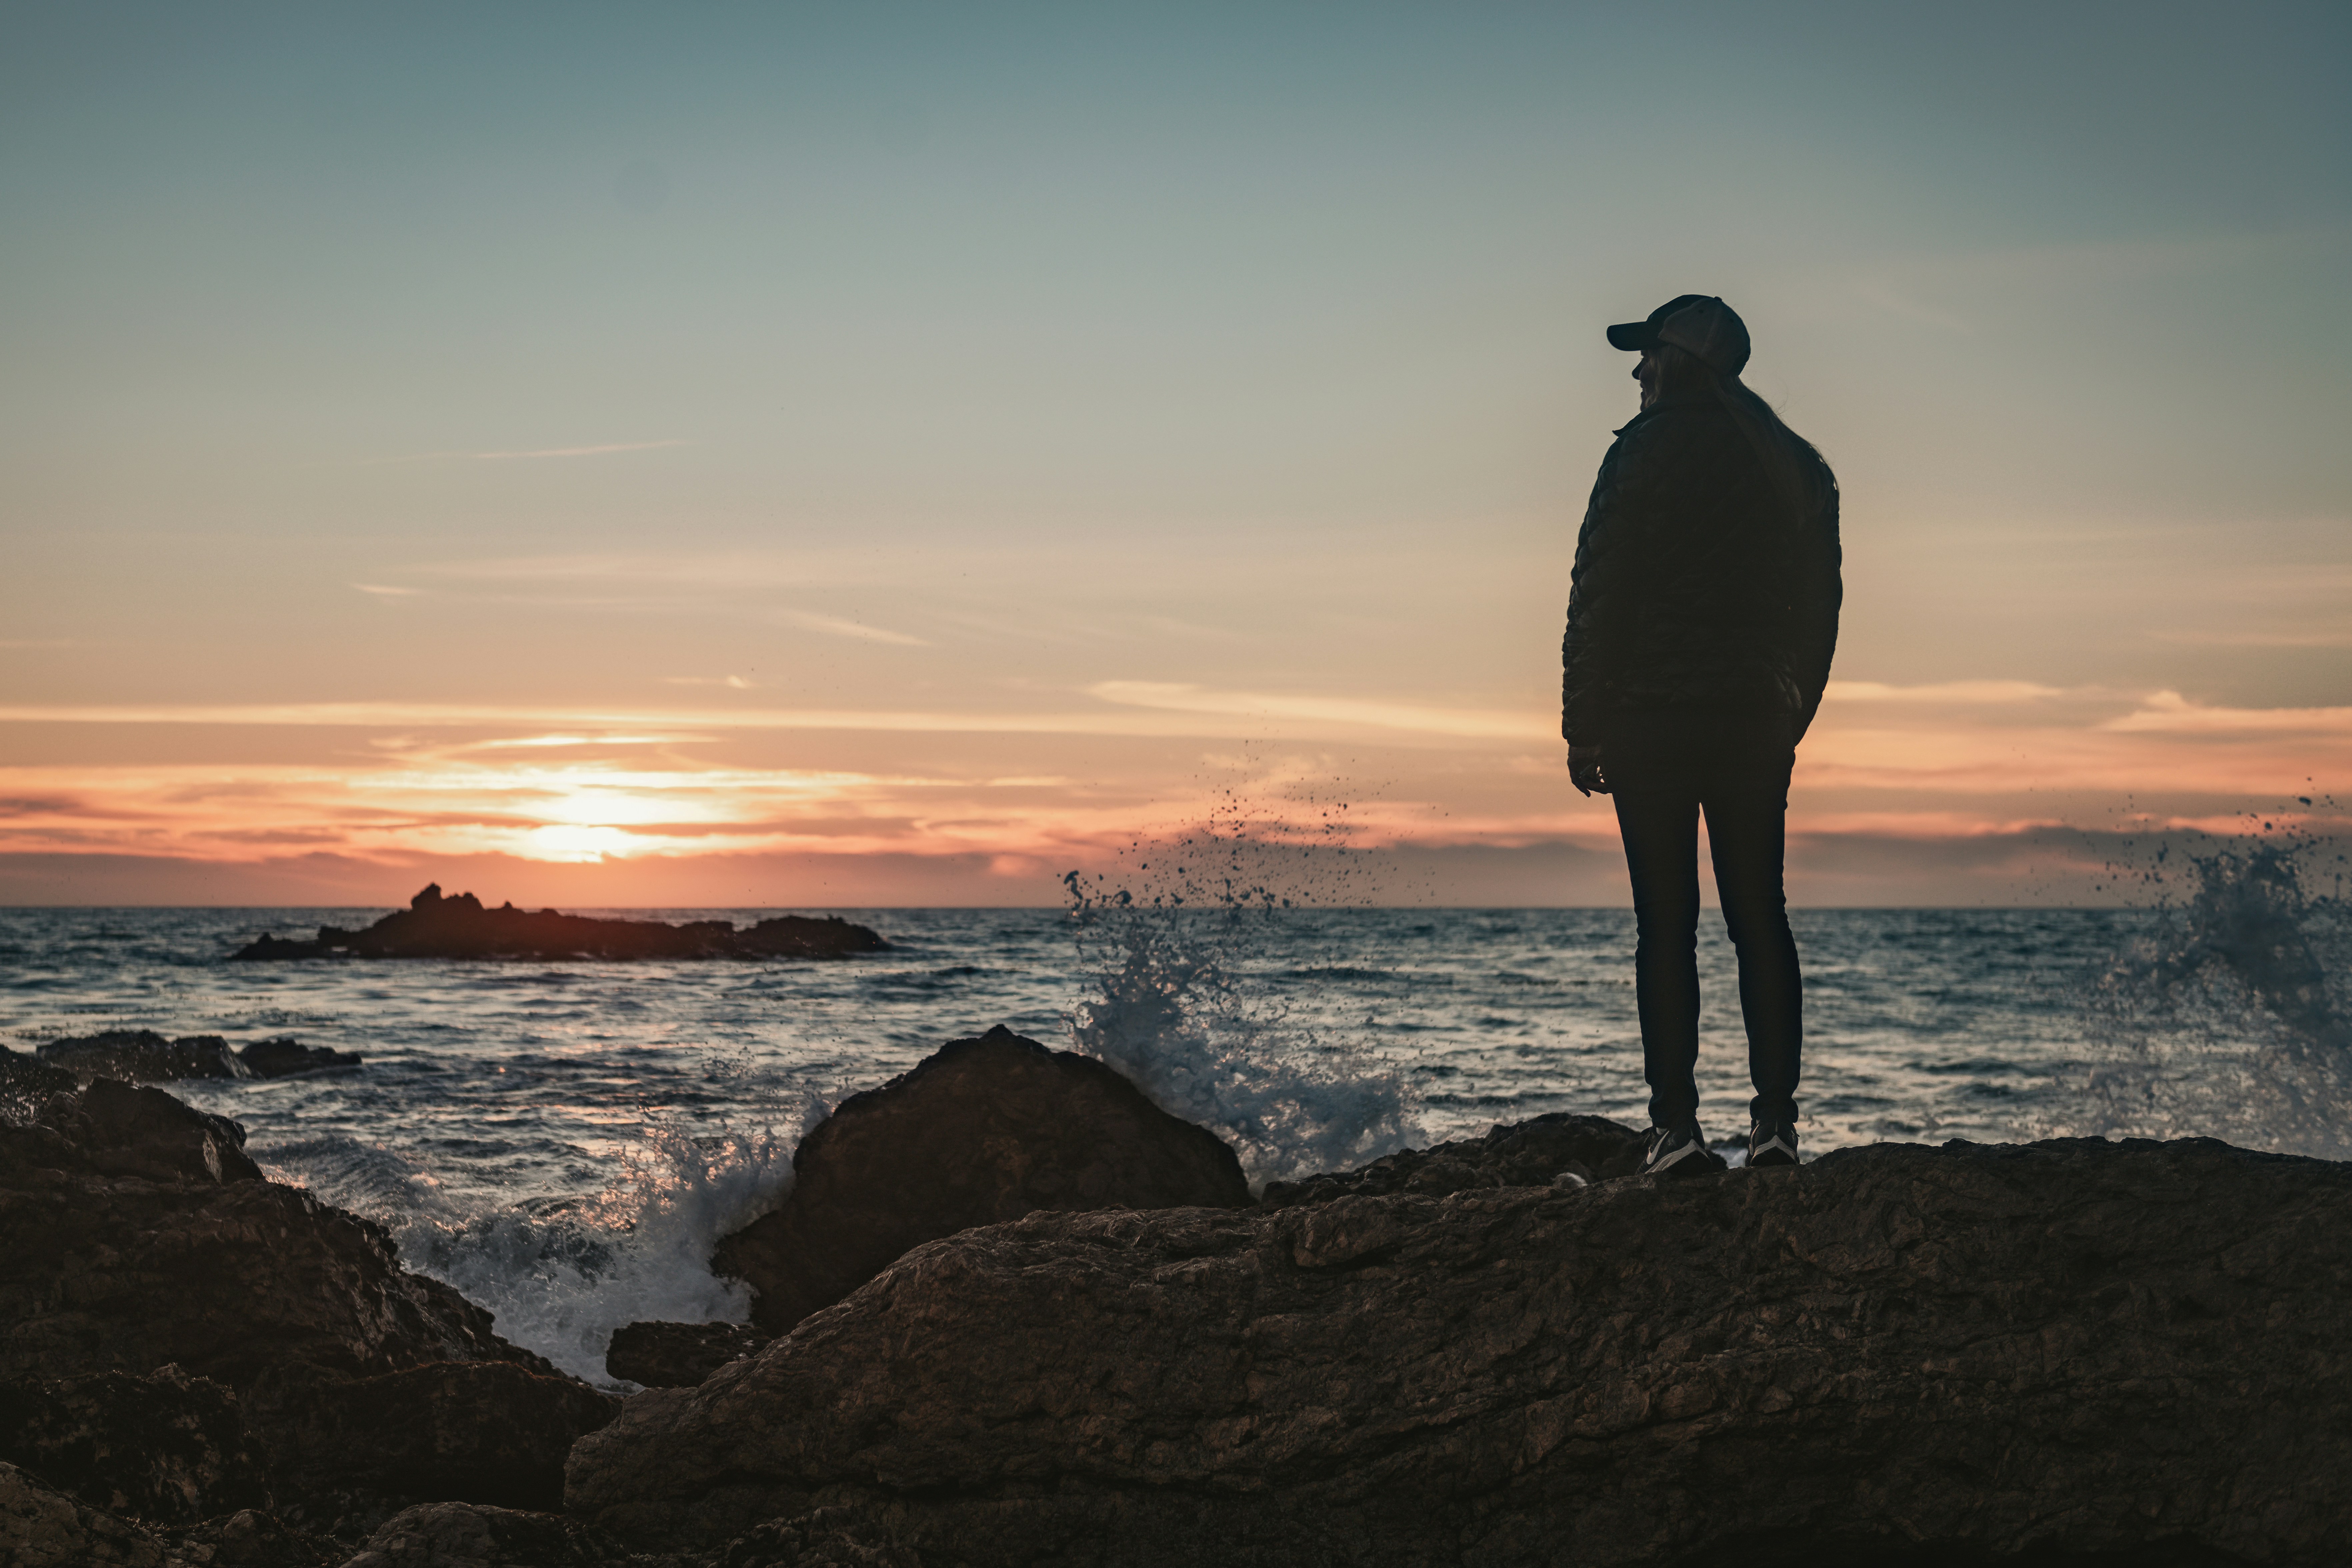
pixel 873 454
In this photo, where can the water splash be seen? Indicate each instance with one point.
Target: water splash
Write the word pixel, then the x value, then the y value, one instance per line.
pixel 560 1275
pixel 1179 1009
pixel 2228 1017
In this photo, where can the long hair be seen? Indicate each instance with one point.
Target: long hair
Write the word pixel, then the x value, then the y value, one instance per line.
pixel 1797 473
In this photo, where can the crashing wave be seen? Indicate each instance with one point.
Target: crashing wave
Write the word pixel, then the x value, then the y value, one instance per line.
pixel 1177 1008
pixel 2226 1018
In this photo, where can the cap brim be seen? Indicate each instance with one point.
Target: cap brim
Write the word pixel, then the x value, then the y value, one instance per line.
pixel 1634 335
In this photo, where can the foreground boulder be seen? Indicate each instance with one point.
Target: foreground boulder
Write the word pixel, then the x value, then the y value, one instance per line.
pixel 143 1056
pixel 139 1237
pixel 437 926
pixel 983 1131
pixel 2133 1351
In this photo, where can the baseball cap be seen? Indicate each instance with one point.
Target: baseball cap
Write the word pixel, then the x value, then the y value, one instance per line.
pixel 1699 324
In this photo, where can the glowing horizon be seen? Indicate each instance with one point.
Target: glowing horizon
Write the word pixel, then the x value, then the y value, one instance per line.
pixel 978 443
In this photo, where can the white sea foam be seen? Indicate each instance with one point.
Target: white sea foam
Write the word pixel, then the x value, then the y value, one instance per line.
pixel 1175 1006
pixel 561 1278
pixel 2229 1018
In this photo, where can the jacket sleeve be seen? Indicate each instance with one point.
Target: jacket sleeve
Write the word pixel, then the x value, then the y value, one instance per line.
pixel 1821 592
pixel 1596 592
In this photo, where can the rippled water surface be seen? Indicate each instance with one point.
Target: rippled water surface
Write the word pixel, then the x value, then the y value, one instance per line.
pixel 562 1140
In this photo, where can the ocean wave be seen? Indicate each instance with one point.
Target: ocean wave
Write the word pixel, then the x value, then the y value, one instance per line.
pixel 2226 1018
pixel 1177 1007
pixel 560 1275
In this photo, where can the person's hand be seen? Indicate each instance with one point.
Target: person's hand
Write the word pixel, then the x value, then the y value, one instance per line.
pixel 1584 770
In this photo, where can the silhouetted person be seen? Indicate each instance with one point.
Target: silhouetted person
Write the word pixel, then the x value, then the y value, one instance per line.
pixel 1700 626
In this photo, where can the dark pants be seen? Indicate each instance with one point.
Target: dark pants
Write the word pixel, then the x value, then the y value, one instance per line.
pixel 1665 769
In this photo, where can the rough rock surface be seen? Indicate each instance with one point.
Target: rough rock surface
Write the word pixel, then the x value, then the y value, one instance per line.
pixel 678 1355
pixel 1558 1149
pixel 143 1056
pixel 165 1447
pixel 981 1132
pixel 468 1535
pixel 25 1081
pixel 1897 1352
pixel 435 927
pixel 41 1527
pixel 138 1236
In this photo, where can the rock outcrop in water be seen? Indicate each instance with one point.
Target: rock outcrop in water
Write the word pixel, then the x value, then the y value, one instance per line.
pixel 170 1320
pixel 981 1131
pixel 2067 1351
pixel 437 926
pixel 143 1056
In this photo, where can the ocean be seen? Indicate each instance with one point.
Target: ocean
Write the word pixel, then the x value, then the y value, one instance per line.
pixel 563 1142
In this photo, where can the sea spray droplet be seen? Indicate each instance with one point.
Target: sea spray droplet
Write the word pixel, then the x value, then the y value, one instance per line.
pixel 1176 1009
pixel 2228 1019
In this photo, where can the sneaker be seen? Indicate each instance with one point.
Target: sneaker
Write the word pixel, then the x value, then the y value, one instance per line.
pixel 1676 1151
pixel 1772 1143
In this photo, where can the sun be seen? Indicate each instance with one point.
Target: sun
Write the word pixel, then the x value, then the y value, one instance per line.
pixel 570 842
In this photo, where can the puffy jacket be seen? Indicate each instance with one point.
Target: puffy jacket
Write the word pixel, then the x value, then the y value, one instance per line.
pixel 1699 581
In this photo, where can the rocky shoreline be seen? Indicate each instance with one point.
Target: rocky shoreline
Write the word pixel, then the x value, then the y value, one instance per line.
pixel 1506 1350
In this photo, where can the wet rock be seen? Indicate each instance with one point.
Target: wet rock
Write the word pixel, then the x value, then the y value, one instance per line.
pixel 25 1081
pixel 283 1058
pixel 1560 1149
pixel 41 1527
pixel 112 1129
pixel 138 1236
pixel 981 1131
pixel 143 1056
pixel 468 1535
pixel 2132 1351
pixel 678 1355
pixel 437 927
pixel 166 1447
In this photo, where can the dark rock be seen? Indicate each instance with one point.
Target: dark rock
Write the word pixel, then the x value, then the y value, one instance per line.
pixel 1560 1149
pixel 467 1535
pixel 437 926
pixel 166 1447
pixel 41 1527
pixel 141 1056
pixel 981 1131
pixel 113 1129
pixel 25 1081
pixel 2063 1350
pixel 286 1058
pixel 477 1431
pixel 678 1355
pixel 138 1234
pixel 255 1538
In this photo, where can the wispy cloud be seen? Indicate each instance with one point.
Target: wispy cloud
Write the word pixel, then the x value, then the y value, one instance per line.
pixel 834 625
pixel 385 591
pixel 1969 692
pixel 1485 723
pixel 461 456
pixel 2168 713
pixel 596 451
